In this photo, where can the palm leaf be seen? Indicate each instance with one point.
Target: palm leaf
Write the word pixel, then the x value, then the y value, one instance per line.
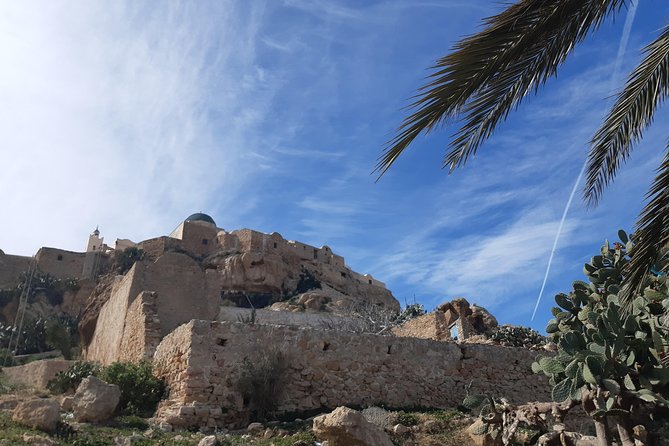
pixel 489 73
pixel 633 111
pixel 651 233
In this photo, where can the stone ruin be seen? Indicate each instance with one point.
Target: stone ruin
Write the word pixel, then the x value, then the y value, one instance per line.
pixel 456 320
pixel 205 304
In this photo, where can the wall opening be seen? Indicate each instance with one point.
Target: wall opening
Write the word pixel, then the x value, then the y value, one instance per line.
pixel 326 346
pixel 370 281
pixel 454 332
pixel 389 348
pixel 60 257
pixel 275 245
pixel 221 342
pixel 205 241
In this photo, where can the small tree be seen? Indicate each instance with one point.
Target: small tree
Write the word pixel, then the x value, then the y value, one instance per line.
pixel 58 336
pixel 609 358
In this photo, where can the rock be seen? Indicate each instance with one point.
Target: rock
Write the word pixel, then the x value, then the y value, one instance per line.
pixel 9 402
pixel 483 316
pixel 67 403
pixel 95 400
pixel 164 426
pixel 348 427
pixel 38 440
pixel 255 428
pixel 269 433
pixel 42 414
pixel 480 437
pixel 209 440
pixel 126 441
pixel 400 429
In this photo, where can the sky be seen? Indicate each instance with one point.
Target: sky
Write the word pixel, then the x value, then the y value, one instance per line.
pixel 271 115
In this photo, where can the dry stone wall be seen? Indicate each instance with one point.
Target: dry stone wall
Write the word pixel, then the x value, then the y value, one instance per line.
pixel 201 362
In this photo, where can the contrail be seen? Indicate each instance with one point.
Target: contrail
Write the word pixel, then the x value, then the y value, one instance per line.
pixel 614 81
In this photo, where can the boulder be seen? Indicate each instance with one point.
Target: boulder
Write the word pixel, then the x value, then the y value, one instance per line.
pixel 255 428
pixel 95 400
pixel 42 414
pixel 66 403
pixel 348 427
pixel 209 440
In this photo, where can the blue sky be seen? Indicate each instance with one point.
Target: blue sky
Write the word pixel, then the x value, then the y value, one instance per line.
pixel 271 115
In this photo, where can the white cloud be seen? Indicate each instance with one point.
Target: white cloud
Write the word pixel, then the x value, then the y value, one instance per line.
pixel 123 115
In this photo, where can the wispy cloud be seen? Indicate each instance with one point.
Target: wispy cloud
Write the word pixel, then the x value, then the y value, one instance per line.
pixel 120 111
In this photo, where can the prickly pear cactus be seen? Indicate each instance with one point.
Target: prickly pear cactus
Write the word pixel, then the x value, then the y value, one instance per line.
pixel 608 352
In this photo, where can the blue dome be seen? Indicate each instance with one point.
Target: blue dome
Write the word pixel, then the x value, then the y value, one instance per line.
pixel 201 217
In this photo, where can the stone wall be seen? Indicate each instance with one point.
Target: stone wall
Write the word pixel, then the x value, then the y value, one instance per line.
pixel 38 373
pixel 201 362
pixel 10 269
pixel 109 330
pixel 323 321
pixel 183 291
pixel 141 334
pixel 60 263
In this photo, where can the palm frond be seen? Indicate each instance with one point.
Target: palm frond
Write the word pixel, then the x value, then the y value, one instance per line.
pixel 633 111
pixel 489 73
pixel 651 233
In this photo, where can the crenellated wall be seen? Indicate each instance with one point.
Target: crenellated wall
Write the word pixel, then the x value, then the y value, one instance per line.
pixel 325 368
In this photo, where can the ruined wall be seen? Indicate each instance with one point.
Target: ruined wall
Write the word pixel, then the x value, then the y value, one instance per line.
pixel 433 325
pixel 323 321
pixel 185 291
pixel 324 369
pixel 141 334
pixel 105 344
pixel 60 263
pixel 10 269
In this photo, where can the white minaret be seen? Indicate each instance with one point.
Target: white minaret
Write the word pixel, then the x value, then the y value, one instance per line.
pixel 94 241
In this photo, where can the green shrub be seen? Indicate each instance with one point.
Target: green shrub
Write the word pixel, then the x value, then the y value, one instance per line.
pixel 140 390
pixel 72 377
pixel 6 358
pixel 58 336
pixel 123 260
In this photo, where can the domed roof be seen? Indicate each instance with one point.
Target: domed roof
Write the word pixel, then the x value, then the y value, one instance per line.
pixel 199 216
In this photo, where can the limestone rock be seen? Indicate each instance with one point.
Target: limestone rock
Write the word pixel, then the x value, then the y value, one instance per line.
pixel 348 427
pixel 255 428
pixel 400 429
pixel 67 403
pixel 209 440
pixel 42 414
pixel 95 400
